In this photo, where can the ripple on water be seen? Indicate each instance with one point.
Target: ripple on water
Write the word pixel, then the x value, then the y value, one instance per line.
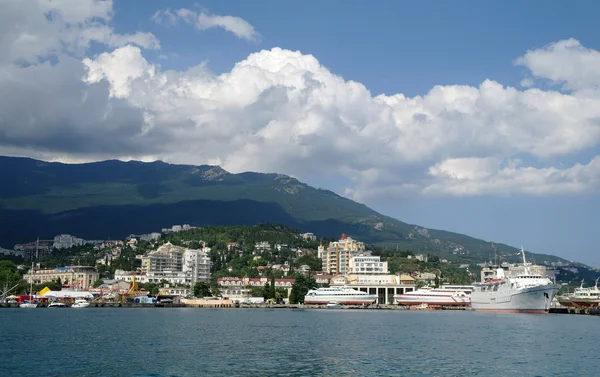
pixel 193 342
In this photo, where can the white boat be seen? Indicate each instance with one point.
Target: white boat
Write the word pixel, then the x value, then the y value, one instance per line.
pixel 29 304
pixel 333 305
pixel 527 292
pixel 434 297
pixel 80 303
pixel 341 295
pixel 581 296
pixel 57 304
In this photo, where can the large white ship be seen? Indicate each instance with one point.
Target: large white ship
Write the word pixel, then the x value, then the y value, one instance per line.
pixel 434 297
pixel 341 295
pixel 526 292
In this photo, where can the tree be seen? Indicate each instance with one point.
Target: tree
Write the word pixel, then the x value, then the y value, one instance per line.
pixel 201 289
pixel 300 288
pixel 266 291
pixel 272 291
pixel 98 283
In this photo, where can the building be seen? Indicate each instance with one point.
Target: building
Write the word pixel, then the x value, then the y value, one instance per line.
pixel 81 277
pixel 336 258
pixel 264 245
pixel 367 265
pixel 66 241
pixel 489 272
pixel 34 250
pixel 167 257
pixel 421 257
pixel 239 287
pixel 384 286
pixel 309 236
pixel 196 263
pixel 174 264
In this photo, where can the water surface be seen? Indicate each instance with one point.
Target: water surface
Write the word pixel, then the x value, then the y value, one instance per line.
pixel 268 342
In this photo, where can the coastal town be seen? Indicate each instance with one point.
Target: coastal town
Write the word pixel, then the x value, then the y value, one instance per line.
pixel 176 267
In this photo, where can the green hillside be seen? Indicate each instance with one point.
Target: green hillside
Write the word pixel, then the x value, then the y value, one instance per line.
pixel 113 199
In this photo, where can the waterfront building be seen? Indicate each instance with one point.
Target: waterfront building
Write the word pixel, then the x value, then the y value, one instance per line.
pixel 240 287
pixel 367 265
pixel 383 285
pixel 336 258
pixel 79 277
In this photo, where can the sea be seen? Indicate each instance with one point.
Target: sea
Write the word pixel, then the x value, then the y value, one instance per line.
pixel 293 342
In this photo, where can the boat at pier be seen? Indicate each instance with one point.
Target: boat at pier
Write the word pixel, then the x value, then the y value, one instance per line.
pixel 434 297
pixel 526 292
pixel 80 303
pixel 581 296
pixel 341 295
pixel 30 304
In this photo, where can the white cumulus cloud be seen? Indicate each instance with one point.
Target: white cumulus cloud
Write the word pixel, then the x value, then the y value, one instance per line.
pixel 202 21
pixel 282 111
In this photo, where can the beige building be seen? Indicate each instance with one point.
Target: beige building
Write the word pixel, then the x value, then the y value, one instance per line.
pixel 81 277
pixel 336 258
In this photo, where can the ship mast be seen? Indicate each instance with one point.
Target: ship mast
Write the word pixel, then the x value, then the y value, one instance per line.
pixel 524 261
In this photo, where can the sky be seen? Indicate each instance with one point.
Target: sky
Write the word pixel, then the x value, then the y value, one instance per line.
pixel 476 117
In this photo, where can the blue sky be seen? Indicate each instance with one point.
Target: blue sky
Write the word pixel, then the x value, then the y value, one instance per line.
pixel 438 158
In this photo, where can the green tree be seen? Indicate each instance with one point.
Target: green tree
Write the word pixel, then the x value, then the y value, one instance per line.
pixel 272 291
pixel 266 292
pixel 98 283
pixel 11 278
pixel 300 288
pixel 201 289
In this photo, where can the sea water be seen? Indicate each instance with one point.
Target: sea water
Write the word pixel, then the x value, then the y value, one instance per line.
pixel 289 342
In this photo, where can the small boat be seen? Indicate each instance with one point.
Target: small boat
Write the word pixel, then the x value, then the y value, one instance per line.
pixel 56 304
pixel 80 303
pixel 29 304
pixel 423 306
pixel 333 305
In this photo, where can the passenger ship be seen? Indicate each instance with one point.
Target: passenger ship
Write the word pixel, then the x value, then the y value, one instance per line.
pixel 434 297
pixel 341 295
pixel 527 292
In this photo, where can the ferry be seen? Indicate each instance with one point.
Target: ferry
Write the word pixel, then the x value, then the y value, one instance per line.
pixel 341 295
pixel 525 293
pixel 434 297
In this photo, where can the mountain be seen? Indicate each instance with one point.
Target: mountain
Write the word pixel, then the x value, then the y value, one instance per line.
pixel 112 199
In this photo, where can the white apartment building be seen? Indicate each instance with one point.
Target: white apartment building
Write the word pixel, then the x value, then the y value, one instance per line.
pixel 65 241
pixel 336 258
pixel 197 264
pixel 167 257
pixel 367 265
pixel 174 264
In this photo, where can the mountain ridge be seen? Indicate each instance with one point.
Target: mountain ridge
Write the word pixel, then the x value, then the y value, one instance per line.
pixel 146 194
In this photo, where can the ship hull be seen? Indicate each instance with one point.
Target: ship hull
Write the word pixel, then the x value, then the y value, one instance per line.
pixel 339 300
pixel 526 300
pixel 438 301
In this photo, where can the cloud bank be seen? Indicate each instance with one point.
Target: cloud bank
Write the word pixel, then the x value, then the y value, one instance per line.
pixel 282 111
